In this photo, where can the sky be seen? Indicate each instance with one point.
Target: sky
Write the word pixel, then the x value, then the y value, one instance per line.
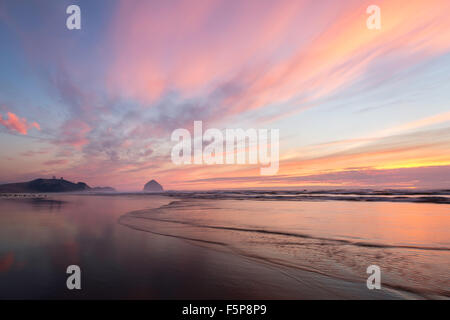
pixel 355 107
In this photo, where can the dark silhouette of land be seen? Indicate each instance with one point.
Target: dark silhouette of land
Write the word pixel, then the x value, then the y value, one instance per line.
pixel 50 185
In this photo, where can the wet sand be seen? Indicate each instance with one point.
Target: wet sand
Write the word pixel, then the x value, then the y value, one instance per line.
pixel 123 256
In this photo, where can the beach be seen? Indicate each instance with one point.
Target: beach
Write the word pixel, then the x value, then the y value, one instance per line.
pixel 143 246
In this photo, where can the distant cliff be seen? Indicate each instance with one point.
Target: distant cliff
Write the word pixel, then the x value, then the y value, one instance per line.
pixel 44 185
pixel 102 189
pixel 153 186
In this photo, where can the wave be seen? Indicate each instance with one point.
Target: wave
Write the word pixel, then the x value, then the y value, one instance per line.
pixel 290 234
pixel 436 196
pixel 332 257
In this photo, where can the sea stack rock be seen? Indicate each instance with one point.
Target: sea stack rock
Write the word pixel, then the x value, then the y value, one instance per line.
pixel 153 186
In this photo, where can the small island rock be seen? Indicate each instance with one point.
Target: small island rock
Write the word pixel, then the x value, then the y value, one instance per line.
pixel 153 186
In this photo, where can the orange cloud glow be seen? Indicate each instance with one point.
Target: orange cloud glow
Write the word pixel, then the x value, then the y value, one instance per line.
pixel 20 125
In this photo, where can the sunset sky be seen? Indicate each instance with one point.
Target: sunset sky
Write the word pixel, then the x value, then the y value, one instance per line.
pixel 355 107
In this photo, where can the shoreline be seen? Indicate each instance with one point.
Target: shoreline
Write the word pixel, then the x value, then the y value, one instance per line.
pixel 313 280
pixel 308 284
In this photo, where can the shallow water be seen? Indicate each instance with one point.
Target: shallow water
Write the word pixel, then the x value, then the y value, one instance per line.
pixel 410 242
pixel 147 246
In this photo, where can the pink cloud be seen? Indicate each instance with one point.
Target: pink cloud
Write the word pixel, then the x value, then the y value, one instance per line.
pixel 266 48
pixel 74 133
pixel 170 46
pixel 433 177
pixel 331 62
pixel 32 153
pixel 20 125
